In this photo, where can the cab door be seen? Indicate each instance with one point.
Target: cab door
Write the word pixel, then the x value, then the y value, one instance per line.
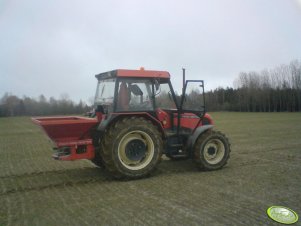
pixel 192 106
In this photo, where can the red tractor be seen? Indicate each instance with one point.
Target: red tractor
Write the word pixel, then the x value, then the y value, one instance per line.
pixel 138 117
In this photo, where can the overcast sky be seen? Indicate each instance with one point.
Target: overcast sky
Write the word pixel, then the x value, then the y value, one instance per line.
pixel 56 47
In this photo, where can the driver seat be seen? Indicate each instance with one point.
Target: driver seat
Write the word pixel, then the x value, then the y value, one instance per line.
pixel 123 98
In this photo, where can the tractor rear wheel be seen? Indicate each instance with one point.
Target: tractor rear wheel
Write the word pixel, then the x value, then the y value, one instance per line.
pixel 131 148
pixel 212 150
pixel 97 159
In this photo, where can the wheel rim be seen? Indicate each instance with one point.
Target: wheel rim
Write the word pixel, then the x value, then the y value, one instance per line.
pixel 136 150
pixel 214 151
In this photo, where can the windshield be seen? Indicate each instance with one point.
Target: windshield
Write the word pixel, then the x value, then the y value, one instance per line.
pixel 105 92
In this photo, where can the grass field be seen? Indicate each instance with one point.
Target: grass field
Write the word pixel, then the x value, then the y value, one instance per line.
pixel 264 169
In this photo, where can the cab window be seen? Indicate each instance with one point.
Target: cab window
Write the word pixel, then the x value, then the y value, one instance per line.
pixel 134 95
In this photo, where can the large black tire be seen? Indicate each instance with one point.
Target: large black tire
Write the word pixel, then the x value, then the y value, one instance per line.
pixel 212 150
pixel 98 159
pixel 131 148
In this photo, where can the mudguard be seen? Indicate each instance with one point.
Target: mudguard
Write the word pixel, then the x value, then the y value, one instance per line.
pixel 116 116
pixel 192 139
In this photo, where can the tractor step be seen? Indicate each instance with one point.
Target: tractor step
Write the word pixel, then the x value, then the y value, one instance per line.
pixel 170 133
pixel 180 156
pixel 176 152
pixel 175 145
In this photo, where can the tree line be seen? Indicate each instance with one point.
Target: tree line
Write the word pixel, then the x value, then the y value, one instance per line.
pixel 12 105
pixel 274 90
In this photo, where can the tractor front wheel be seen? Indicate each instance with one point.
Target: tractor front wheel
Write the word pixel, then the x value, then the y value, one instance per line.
pixel 131 148
pixel 212 150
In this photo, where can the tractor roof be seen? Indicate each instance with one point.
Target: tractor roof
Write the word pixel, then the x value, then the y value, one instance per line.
pixel 133 73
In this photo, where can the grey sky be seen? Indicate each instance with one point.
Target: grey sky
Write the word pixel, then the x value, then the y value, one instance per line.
pixel 55 47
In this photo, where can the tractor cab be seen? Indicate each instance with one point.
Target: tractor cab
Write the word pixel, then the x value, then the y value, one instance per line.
pixel 150 94
pixel 139 117
pixel 130 91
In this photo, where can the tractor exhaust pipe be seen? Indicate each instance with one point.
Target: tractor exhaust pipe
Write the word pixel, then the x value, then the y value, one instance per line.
pixel 183 69
pixel 181 105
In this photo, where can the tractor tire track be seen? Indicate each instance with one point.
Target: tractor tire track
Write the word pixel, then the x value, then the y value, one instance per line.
pixel 38 173
pixel 50 186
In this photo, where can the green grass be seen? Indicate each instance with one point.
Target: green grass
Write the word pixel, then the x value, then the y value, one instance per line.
pixel 251 131
pixel 264 169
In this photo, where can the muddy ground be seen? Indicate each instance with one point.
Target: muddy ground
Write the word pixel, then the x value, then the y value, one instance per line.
pixel 264 170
